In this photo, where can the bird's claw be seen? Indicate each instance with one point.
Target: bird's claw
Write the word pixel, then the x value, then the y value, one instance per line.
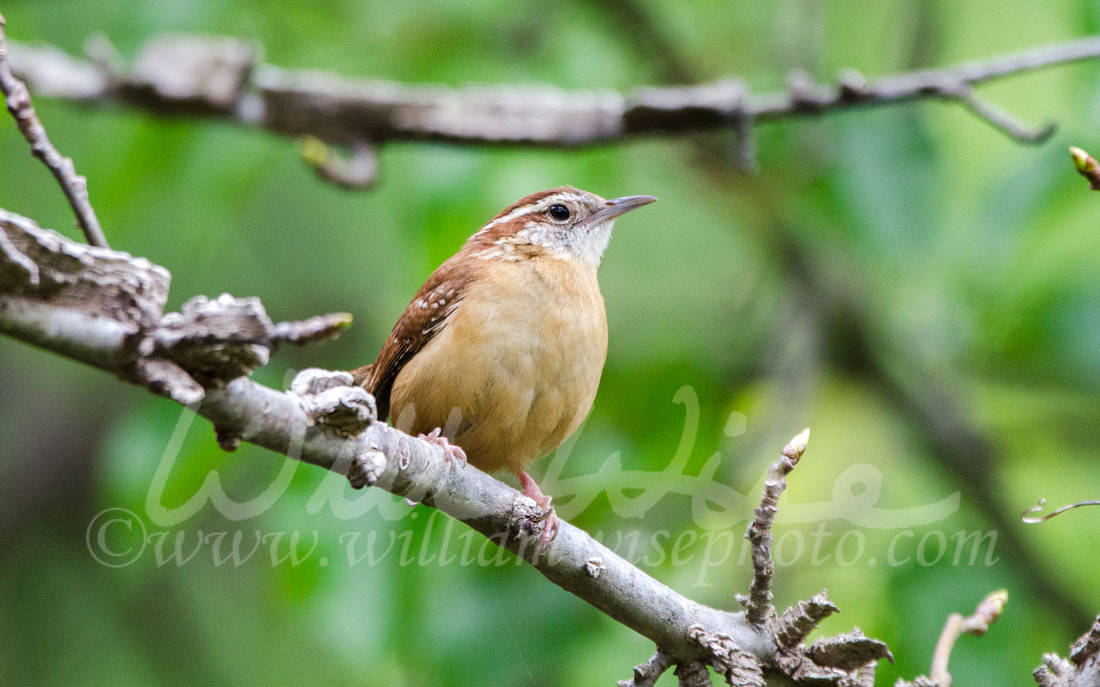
pixel 548 517
pixel 451 452
pixel 550 526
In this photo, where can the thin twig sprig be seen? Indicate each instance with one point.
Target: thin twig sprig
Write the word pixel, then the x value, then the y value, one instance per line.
pixel 957 625
pixel 646 674
pixel 75 187
pixel 1029 517
pixel 758 603
pixel 977 624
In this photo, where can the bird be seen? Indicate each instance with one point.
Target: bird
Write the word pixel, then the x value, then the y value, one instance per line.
pixel 499 354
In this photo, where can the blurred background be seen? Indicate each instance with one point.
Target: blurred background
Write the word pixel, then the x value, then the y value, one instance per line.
pixel 907 281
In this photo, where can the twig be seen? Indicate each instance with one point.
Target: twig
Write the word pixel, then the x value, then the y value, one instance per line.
pixel 74 186
pixel 977 624
pixel 11 253
pixel 358 170
pixel 799 620
pixel 948 82
pixel 1042 502
pixel 346 112
pixel 1005 121
pixel 1086 166
pixel 759 601
pixel 646 674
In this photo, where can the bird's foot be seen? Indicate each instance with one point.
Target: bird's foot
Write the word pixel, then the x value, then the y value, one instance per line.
pixel 549 517
pixel 454 454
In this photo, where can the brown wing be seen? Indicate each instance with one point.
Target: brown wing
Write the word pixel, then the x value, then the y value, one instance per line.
pixel 424 318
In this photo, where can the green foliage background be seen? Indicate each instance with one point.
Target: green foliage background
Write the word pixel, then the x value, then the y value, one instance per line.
pixel 881 261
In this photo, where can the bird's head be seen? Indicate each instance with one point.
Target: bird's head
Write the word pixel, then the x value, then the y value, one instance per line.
pixel 563 222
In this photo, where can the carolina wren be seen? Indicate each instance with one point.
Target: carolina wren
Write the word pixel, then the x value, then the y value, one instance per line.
pixel 501 350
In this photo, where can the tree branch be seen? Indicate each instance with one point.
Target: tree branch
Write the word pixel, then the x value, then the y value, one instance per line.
pixel 221 77
pixel 103 308
pixel 75 187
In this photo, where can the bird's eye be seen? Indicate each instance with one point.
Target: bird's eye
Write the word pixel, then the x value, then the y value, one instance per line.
pixel 559 212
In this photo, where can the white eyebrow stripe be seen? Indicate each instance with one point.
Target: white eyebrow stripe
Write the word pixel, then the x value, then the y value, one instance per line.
pixel 521 210
pixel 563 197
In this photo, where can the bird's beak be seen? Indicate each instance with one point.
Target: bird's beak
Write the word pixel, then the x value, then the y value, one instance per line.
pixel 617 206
